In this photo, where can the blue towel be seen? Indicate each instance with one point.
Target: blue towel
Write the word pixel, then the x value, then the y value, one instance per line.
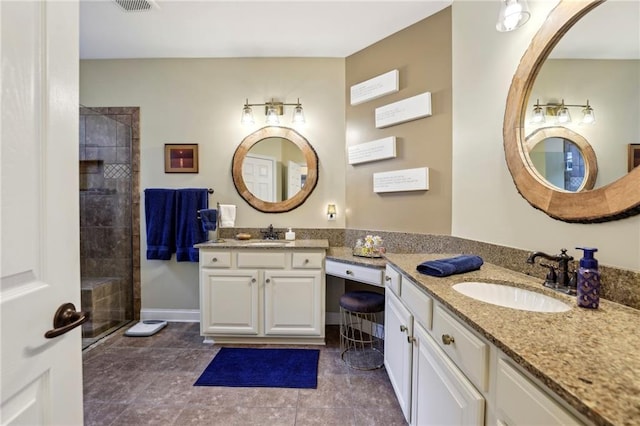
pixel 209 218
pixel 450 266
pixel 159 209
pixel 188 229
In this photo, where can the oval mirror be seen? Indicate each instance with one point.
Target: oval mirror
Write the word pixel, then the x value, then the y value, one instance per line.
pixel 562 158
pixel 275 169
pixel 615 200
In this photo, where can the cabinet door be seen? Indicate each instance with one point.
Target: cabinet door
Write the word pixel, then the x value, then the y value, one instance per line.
pixel 294 303
pixel 229 302
pixel 441 394
pixel 398 329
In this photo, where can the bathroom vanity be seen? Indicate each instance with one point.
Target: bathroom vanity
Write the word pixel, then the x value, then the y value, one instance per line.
pixel 455 360
pixel 263 291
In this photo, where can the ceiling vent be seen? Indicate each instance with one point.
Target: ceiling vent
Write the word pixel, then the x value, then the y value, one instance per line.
pixel 136 5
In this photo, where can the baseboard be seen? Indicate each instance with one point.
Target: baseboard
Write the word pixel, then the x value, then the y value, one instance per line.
pixel 172 315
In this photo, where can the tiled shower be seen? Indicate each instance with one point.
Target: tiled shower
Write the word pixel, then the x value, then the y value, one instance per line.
pixel 109 219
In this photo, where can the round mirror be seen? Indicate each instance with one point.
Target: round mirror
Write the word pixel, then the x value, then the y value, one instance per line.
pixel 275 169
pixel 562 158
pixel 615 200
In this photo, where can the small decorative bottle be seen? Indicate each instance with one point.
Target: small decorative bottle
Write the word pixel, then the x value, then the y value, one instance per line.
pixel 588 289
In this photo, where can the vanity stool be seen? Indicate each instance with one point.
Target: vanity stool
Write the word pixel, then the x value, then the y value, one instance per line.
pixel 360 341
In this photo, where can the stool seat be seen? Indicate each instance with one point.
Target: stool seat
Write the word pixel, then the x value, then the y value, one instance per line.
pixel 362 301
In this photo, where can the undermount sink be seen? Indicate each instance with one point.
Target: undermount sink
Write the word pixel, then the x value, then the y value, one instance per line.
pixel 268 243
pixel 511 297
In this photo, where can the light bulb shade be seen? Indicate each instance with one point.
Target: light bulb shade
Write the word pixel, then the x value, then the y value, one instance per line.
pixel 538 115
pixel 588 116
pixel 331 211
pixel 247 115
pixel 563 115
pixel 513 14
pixel 298 115
pixel 272 116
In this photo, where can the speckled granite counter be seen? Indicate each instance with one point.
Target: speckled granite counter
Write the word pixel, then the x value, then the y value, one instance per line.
pixel 345 255
pixel 589 358
pixel 265 244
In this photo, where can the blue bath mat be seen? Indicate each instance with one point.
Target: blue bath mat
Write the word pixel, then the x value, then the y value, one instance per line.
pixel 262 367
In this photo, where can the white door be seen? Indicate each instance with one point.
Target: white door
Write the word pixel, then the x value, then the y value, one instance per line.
pixel 398 329
pixel 441 395
pixel 293 303
pixel 41 378
pixel 259 175
pixel 294 177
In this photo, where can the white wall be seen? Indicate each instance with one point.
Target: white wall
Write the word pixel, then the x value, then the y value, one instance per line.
pixel 200 101
pixel 486 204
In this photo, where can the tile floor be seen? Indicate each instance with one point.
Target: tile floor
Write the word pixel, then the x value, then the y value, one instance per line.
pixel 149 381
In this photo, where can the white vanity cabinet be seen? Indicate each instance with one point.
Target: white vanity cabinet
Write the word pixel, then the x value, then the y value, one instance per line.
pixel 430 388
pixel 267 295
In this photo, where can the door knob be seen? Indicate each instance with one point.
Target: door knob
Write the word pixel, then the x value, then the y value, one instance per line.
pixel 447 340
pixel 66 319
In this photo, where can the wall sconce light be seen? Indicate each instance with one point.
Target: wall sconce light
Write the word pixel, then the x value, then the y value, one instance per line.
pixel 561 112
pixel 272 110
pixel 513 14
pixel 331 212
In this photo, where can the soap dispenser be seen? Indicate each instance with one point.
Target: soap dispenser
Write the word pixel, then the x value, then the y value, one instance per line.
pixel 290 235
pixel 588 290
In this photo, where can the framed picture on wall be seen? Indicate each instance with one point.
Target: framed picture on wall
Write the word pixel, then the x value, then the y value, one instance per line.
pixel 181 158
pixel 634 155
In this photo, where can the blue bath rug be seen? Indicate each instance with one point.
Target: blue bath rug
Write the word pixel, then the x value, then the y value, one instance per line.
pixel 262 367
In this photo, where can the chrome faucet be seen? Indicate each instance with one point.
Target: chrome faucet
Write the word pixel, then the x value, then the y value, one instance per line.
pixel 269 234
pixel 562 280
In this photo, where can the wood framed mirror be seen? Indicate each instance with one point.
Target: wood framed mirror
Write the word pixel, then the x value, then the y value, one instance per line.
pixel 275 169
pixel 616 200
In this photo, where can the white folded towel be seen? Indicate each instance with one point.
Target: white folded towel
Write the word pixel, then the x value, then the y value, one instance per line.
pixel 227 214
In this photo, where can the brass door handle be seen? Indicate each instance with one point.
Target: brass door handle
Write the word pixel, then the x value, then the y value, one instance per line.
pixel 447 340
pixel 66 319
pixel 411 339
pixel 403 328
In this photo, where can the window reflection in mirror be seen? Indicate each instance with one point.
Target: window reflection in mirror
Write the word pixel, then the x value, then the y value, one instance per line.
pixel 274 169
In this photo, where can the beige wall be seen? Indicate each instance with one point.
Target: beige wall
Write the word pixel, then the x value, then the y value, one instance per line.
pixel 486 205
pixel 422 55
pixel 200 101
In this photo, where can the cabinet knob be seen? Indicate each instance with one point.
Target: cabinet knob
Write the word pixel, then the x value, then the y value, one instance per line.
pixel 387 278
pixel 306 261
pixel 215 259
pixel 349 272
pixel 411 339
pixel 253 280
pixel 268 280
pixel 403 328
pixel 447 340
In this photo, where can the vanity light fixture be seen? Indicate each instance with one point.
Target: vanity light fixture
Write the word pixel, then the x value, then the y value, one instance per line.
pixel 331 212
pixel 273 110
pixel 561 112
pixel 513 14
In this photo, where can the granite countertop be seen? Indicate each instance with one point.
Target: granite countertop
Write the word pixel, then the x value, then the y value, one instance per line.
pixel 589 358
pixel 264 244
pixel 345 255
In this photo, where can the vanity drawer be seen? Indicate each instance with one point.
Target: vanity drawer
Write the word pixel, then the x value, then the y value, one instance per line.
pixel 307 260
pixel 349 271
pixel 469 352
pixel 261 259
pixel 392 279
pixel 215 259
pixel 418 302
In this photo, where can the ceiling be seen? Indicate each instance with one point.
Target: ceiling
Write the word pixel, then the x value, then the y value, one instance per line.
pixel 239 28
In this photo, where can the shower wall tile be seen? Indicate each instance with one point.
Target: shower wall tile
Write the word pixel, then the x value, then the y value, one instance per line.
pixel 123 135
pixel 123 155
pixel 82 131
pixel 100 131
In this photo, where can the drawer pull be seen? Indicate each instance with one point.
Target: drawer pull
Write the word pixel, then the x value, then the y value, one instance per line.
pixel 306 261
pixel 403 328
pixel 215 259
pixel 411 339
pixel 349 272
pixel 387 278
pixel 253 280
pixel 447 340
